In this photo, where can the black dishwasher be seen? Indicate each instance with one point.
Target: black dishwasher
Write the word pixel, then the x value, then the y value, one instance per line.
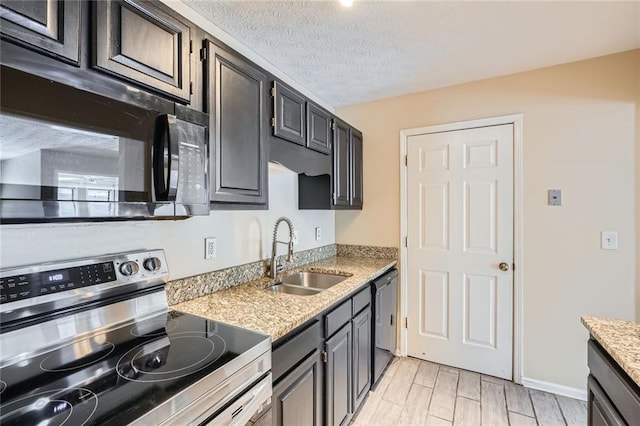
pixel 384 300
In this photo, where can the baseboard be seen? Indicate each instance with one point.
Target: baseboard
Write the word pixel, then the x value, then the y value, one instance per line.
pixel 555 388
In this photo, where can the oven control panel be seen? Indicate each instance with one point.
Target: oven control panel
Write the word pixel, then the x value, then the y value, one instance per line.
pixel 42 283
pixel 45 283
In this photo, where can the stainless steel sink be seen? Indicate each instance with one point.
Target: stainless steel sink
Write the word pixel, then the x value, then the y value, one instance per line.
pixel 306 283
pixel 316 280
pixel 292 289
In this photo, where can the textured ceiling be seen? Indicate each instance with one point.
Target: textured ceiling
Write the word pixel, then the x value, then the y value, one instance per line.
pixel 378 49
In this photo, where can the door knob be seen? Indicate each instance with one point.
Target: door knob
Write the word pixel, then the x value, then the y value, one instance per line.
pixel 504 266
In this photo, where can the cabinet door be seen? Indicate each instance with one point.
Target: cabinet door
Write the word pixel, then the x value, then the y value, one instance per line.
pixel 361 324
pixel 338 377
pixel 319 133
pixel 140 42
pixel 601 411
pixel 355 168
pixel 297 398
pixel 237 104
pixel 289 121
pixel 49 26
pixel 340 163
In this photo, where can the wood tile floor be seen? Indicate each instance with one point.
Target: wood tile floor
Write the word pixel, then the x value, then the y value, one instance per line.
pixel 414 392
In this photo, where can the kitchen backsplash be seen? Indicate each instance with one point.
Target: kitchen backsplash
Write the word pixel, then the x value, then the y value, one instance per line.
pixel 189 288
pixel 349 250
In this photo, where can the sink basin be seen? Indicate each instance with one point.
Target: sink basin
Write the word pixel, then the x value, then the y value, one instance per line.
pixel 314 280
pixel 306 283
pixel 292 289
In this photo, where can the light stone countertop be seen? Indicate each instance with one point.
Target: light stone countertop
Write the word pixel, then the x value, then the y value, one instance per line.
pixel 621 339
pixel 250 306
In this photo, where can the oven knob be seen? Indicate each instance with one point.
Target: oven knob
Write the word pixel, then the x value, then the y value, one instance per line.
pixel 152 264
pixel 129 268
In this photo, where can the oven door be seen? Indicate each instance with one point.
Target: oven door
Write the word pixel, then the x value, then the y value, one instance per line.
pixel 69 154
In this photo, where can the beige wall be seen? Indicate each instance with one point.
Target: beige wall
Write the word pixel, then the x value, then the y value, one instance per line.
pixel 579 136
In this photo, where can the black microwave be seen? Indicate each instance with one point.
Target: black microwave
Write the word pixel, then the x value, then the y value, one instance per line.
pixel 67 154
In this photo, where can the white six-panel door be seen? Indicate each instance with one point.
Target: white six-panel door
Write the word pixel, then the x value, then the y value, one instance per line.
pixel 460 229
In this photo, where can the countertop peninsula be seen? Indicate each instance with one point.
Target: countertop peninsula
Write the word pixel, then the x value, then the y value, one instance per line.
pixel 621 339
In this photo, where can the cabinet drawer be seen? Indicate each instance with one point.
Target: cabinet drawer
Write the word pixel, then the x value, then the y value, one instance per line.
pixel 601 411
pixel 295 348
pixel 361 300
pixel 335 319
pixel 617 386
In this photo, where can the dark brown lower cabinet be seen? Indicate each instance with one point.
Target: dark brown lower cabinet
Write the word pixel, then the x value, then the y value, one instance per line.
pixel 361 324
pixel 613 398
pixel 338 377
pixel 297 399
pixel 322 369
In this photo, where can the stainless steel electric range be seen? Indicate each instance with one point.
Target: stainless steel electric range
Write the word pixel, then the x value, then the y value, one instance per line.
pixel 92 342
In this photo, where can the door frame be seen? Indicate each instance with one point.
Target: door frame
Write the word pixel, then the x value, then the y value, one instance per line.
pixel 518 210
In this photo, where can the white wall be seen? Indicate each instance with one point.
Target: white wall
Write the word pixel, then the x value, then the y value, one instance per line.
pixel 579 136
pixel 242 236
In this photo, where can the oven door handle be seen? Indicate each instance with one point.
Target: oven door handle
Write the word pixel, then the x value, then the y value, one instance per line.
pixel 241 410
pixel 166 158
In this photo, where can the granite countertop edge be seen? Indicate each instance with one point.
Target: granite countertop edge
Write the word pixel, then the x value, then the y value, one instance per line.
pixel 621 340
pixel 252 307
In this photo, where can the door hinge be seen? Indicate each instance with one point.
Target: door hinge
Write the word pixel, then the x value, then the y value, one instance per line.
pixel 333 125
pixel 334 197
pixel 406 241
pixel 406 322
pixel 273 92
pixel 406 160
pixel 191 87
pixel 203 54
pixel 190 46
pixel 325 357
pixel 273 122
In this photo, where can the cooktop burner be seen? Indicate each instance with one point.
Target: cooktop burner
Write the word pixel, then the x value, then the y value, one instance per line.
pixel 155 362
pixel 119 375
pixel 73 406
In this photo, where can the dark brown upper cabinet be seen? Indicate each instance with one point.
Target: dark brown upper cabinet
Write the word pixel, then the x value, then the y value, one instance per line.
pixel 237 101
pixel 47 26
pixel 341 174
pixel 288 119
pixel 319 133
pixel 141 42
pixel 343 188
pixel 355 165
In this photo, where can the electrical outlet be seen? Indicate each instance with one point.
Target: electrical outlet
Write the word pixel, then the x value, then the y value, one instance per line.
pixel 210 248
pixel 318 234
pixel 295 237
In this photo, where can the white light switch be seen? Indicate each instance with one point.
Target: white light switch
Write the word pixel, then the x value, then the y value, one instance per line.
pixel 318 234
pixel 295 239
pixel 609 240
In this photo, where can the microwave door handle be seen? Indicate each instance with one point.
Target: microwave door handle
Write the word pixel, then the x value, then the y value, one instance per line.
pixel 165 158
pixel 173 156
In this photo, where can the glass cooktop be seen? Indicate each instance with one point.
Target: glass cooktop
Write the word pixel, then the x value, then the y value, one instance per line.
pixel 118 376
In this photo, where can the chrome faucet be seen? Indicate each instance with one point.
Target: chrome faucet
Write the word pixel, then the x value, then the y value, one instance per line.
pixel 276 267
